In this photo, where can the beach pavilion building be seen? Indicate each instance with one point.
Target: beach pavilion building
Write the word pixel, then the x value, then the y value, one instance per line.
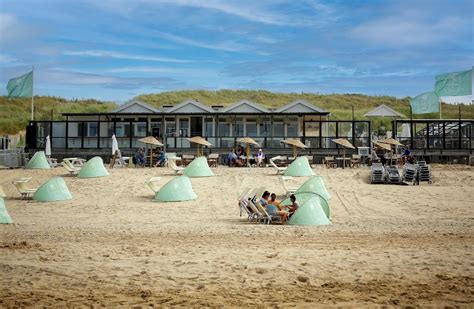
pixel 90 133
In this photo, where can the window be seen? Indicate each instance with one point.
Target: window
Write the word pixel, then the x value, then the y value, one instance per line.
pixel 170 127
pixel 265 126
pixel 122 129
pixel 184 127
pixel 278 128
pixel 140 129
pixel 251 127
pixel 239 127
pixel 208 127
pixel 92 129
pixel 224 127
pixel 292 128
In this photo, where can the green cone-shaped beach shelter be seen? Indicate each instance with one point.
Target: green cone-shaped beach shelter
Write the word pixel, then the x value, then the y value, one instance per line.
pixel 299 168
pixel 54 189
pixel 303 197
pixel 93 168
pixel 4 216
pixel 198 168
pixel 315 185
pixel 176 190
pixel 311 213
pixel 38 161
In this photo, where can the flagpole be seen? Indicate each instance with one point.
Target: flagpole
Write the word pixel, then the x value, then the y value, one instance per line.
pixel 32 94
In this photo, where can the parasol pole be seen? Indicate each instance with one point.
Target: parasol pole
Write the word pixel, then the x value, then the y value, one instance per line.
pixel 248 154
pixel 151 156
pixel 294 152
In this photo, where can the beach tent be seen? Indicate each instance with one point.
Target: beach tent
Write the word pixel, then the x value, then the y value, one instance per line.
pixel 296 143
pixel 47 149
pixel 150 140
pixel 198 168
pixel 176 190
pixel 310 213
pixel 93 168
pixel 302 197
pixel 38 161
pixel 55 189
pixel 315 185
pixel 4 216
pixel 346 144
pixel 248 141
pixel 201 143
pixel 299 168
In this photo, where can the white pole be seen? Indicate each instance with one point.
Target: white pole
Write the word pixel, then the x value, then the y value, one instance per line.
pixel 32 94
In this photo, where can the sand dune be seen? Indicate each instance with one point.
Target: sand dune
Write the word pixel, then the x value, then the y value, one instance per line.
pixel 112 245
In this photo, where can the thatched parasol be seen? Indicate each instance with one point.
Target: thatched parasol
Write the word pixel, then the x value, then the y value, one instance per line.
pixel 346 144
pixel 200 142
pixel 383 146
pixel 391 141
pixel 248 141
pixel 150 140
pixel 296 143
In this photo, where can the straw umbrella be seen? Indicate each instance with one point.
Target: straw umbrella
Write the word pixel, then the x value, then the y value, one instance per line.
pixel 296 143
pixel 200 142
pixel 392 142
pixel 383 146
pixel 150 140
pixel 346 144
pixel 47 150
pixel 248 141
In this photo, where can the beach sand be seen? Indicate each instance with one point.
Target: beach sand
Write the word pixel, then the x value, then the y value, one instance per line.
pixel 112 245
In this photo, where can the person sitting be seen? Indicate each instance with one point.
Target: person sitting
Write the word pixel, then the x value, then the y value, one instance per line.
pixel 273 201
pixel 139 158
pixel 374 157
pixel 231 158
pixel 272 209
pixel 260 158
pixel 161 158
pixel 294 205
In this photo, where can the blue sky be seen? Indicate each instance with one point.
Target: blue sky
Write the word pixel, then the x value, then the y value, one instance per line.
pixel 114 50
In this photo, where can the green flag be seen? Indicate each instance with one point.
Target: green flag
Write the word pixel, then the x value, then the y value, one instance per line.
pixel 21 86
pixel 425 103
pixel 454 84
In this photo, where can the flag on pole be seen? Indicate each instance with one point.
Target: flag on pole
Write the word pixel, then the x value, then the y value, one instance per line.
pixel 454 84
pixel 425 103
pixel 21 86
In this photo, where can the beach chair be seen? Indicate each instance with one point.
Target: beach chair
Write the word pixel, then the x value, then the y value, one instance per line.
pixel 152 183
pixel 186 159
pixel 409 174
pixel 330 162
pixel 72 170
pixel 266 218
pixel 377 173
pixel 280 170
pixel 355 161
pixel 246 205
pixel 424 172
pixel 392 175
pixel 288 190
pixel 21 186
pixel 53 162
pixel 212 159
pixel 177 169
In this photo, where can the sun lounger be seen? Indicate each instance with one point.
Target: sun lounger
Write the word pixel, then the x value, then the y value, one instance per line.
pixel 330 162
pixel 212 159
pixel 21 186
pixel 377 173
pixel 177 169
pixel 186 159
pixel 409 174
pixel 265 216
pixel 152 183
pixel 280 170
pixel 52 162
pixel 392 175
pixel 245 204
pixel 70 168
pixel 284 182
pixel 355 161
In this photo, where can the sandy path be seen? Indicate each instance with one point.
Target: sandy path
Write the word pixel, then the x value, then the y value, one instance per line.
pixel 392 245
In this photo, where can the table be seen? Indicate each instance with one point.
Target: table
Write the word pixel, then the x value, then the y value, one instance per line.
pixel 342 162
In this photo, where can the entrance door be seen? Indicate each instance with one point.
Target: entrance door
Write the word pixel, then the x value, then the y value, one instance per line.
pixel 155 132
pixel 196 126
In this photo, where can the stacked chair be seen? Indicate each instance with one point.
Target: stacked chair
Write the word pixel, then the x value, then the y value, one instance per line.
pixel 377 173
pixel 424 172
pixel 392 176
pixel 409 174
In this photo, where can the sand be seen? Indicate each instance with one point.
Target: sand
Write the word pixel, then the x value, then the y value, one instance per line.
pixel 112 245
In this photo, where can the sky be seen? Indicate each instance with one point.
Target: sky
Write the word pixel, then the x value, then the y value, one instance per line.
pixel 116 49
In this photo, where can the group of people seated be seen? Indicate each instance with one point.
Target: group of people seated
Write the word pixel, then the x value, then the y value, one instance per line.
pixel 236 157
pixel 140 160
pixel 273 207
pixel 406 157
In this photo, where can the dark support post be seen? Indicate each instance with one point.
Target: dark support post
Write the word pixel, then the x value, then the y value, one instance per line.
pixel 67 131
pixel 427 136
pixel 370 135
pixel 51 131
pixel 131 133
pixel 98 133
pixel 444 135
pixel 83 129
pixel 459 135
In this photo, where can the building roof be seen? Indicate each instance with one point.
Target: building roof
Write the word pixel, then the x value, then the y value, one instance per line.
pixel 383 111
pixel 135 106
pixel 244 106
pixel 190 107
pixel 300 106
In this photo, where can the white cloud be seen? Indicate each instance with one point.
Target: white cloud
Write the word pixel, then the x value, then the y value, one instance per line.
pixel 118 55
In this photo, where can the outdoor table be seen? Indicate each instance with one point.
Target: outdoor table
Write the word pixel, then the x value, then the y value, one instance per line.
pixel 342 162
